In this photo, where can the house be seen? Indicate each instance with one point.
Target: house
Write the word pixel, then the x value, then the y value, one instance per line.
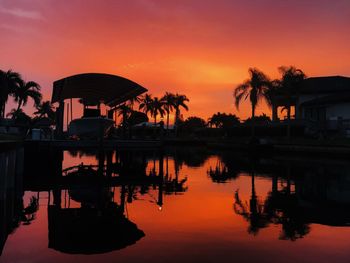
pixel 321 100
pixel 324 98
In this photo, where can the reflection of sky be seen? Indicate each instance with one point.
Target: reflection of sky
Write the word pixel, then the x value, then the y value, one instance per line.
pixel 200 48
pixel 200 224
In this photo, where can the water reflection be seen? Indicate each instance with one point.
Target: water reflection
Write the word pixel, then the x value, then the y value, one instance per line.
pixel 103 201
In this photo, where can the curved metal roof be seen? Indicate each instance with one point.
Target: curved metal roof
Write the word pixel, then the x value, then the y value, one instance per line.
pixel 96 87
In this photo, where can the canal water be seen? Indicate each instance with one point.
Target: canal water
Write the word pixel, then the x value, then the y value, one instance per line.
pixel 174 205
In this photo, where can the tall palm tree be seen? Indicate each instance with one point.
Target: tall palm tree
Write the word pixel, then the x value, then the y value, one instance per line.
pixel 179 102
pixel 125 111
pixel 157 109
pixel 289 85
pixel 256 88
pixel 26 90
pixel 169 102
pixel 146 104
pixel 45 109
pixel 8 82
pixel 133 101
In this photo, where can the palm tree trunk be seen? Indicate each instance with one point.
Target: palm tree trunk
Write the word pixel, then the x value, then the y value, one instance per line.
pixel 167 121
pixel 176 120
pixel 19 105
pixel 253 120
pixel 288 122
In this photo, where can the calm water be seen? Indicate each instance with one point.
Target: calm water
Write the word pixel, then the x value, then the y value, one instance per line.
pixel 204 207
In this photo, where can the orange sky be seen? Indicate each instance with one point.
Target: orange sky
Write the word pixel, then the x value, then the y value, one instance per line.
pixel 199 48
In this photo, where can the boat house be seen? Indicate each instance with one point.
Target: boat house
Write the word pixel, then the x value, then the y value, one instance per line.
pixel 92 89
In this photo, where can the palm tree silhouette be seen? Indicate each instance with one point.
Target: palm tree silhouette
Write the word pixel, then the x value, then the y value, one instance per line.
pixel 26 90
pixel 146 104
pixel 179 102
pixel 157 109
pixel 8 82
pixel 256 88
pixel 154 106
pixel 19 116
pixel 169 103
pixel 289 85
pixel 45 109
pixel 125 111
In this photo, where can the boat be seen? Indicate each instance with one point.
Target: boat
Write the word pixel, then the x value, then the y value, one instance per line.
pixel 90 127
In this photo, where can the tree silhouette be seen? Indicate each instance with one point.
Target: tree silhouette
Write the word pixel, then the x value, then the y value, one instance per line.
pixel 289 86
pixel 24 91
pixel 146 104
pixel 8 83
pixel 169 103
pixel 45 110
pixel 19 116
pixel 179 102
pixel 157 109
pixel 256 88
pixel 223 120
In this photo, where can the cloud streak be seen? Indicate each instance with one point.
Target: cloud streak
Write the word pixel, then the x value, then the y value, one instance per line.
pixel 22 13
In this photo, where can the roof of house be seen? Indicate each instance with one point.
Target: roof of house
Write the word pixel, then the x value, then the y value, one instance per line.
pixel 96 87
pixel 331 84
pixel 343 97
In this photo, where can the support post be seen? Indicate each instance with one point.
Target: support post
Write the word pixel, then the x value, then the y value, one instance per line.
pixel 59 120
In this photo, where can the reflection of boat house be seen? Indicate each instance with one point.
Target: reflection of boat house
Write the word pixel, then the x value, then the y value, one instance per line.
pixel 323 100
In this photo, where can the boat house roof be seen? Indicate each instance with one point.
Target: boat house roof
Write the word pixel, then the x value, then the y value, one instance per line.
pixel 96 87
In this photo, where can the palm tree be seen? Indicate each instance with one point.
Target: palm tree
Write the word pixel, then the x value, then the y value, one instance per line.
pixel 8 82
pixel 289 85
pixel 19 116
pixel 133 101
pixel 256 88
pixel 169 103
pixel 124 111
pixel 45 109
pixel 26 90
pixel 157 108
pixel 146 104
pixel 179 102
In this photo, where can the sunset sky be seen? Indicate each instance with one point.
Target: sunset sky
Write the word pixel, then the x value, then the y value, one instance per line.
pixel 198 48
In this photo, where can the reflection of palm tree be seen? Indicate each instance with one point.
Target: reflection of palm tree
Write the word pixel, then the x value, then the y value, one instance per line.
pixel 28 213
pixel 282 206
pixel 256 88
pixel 254 213
pixel 220 173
